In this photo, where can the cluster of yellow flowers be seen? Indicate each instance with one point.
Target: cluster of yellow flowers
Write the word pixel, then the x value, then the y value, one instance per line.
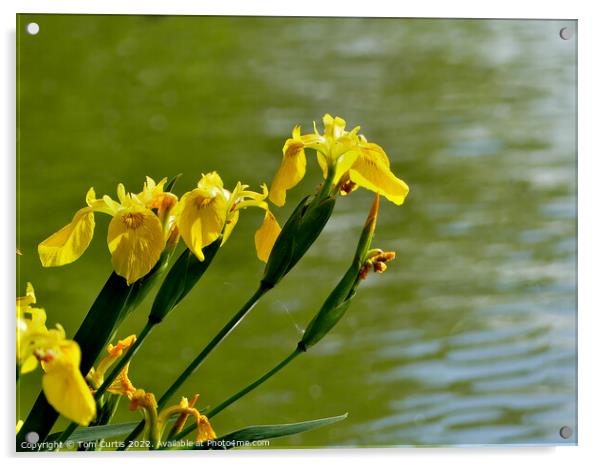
pixel 144 223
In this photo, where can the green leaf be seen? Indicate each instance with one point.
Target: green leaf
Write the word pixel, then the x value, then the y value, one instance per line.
pixel 181 278
pixel 254 433
pixel 322 323
pixel 170 184
pixel 89 434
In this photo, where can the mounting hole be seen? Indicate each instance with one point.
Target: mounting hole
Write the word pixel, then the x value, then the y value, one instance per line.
pixel 32 437
pixel 566 432
pixel 566 33
pixel 33 28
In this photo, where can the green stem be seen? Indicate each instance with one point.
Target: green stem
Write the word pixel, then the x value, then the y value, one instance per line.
pixel 217 339
pixel 219 408
pixel 327 186
pixel 224 404
pixel 112 375
pixel 195 364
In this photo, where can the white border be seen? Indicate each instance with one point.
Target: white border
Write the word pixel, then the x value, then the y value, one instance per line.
pixel 590 232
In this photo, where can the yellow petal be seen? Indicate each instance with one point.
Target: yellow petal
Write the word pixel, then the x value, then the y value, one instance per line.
pixel 210 181
pixel 315 141
pixel 65 387
pixel 24 302
pixel 122 194
pixel 323 162
pixel 291 171
pixel 151 192
pixel 32 339
pixel 122 384
pixel 31 320
pixel 266 236
pixel 29 364
pixel 204 431
pixel 136 241
pixel 201 219
pixel 115 351
pixel 230 224
pixel 70 242
pixel 333 127
pixel 97 375
pixel 371 171
pixel 343 144
pixel 106 205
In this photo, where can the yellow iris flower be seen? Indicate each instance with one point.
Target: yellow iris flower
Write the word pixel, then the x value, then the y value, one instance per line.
pixel 137 233
pixel 346 158
pixel 62 382
pixel 210 211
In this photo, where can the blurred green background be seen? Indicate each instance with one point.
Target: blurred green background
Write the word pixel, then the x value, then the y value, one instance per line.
pixel 470 336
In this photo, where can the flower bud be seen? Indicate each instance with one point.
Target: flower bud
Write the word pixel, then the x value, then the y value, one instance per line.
pixel 339 300
pixel 299 232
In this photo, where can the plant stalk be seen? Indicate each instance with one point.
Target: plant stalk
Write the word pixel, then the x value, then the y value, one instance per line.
pixel 224 404
pixel 195 364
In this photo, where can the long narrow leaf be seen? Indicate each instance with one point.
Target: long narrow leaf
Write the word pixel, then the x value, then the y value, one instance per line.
pixel 254 433
pixel 90 434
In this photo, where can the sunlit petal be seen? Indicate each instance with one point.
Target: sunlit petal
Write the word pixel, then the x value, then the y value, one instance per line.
pixel 323 162
pixel 344 163
pixel 70 242
pixel 211 181
pixel 65 387
pixel 371 171
pixel 266 236
pixel 230 224
pixel 291 171
pixel 24 302
pixel 136 241
pixel 201 219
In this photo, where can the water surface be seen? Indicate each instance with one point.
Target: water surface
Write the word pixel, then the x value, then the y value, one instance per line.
pixel 469 338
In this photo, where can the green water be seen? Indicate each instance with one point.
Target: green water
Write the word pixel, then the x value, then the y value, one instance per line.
pixel 469 338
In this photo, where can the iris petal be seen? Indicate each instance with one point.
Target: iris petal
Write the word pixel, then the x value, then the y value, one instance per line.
pixel 291 171
pixel 371 171
pixel 65 387
pixel 266 236
pixel 201 219
pixel 136 241
pixel 230 224
pixel 70 242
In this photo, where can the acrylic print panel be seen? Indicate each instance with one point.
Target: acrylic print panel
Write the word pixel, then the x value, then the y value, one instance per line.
pixel 467 338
